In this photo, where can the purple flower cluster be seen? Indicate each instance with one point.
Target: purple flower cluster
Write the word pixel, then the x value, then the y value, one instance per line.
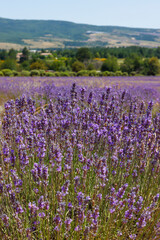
pixel 80 162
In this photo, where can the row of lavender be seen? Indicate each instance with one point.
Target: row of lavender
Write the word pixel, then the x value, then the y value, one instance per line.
pixel 145 88
pixel 80 164
pixel 16 85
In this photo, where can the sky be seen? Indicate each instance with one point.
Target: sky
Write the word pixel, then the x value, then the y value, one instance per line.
pixel 129 13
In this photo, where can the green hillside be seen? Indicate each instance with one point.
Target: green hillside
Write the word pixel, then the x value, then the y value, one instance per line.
pixel 68 34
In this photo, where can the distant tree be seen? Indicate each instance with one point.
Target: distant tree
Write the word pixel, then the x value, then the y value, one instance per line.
pixel 25 55
pixel 83 54
pixel 127 65
pixel 9 64
pixel 137 63
pixel 25 65
pixel 57 66
pixel 157 52
pixel 64 68
pixel 111 64
pixel 43 50
pixel 133 63
pixel 39 64
pixel 90 66
pixel 97 55
pixel 77 66
pixel 3 54
pixel 151 66
pixel 12 53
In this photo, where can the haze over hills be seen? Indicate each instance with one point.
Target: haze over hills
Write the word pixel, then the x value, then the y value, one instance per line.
pixel 60 34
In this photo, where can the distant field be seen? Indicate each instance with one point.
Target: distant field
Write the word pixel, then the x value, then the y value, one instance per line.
pixel 103 40
pixel 42 44
pixel 7 46
pixel 19 85
pixel 21 82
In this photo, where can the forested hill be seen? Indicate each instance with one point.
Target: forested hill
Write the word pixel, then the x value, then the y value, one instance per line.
pixel 59 34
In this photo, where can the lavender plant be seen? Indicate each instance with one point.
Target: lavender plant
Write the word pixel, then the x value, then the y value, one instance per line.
pixel 80 164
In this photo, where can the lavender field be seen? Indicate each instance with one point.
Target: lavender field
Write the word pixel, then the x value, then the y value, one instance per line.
pixel 80 158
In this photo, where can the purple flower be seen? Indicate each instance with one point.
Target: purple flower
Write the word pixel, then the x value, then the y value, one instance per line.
pixel 45 173
pixel 119 233
pixel 42 215
pixel 80 198
pixel 68 223
pixel 19 208
pixel 99 196
pixel 36 190
pixel 5 220
pixel 59 168
pixel 57 229
pixel 41 202
pixel 132 236
pixel 58 222
pixel 33 208
pixel 129 214
pixel 77 228
pixel 70 206
pixel 121 191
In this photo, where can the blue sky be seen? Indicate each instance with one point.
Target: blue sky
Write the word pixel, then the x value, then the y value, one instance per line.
pixel 130 13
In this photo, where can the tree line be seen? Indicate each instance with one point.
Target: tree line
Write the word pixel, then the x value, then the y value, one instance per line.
pixel 83 61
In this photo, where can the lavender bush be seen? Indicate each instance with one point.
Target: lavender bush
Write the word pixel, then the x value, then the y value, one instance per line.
pixel 78 163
